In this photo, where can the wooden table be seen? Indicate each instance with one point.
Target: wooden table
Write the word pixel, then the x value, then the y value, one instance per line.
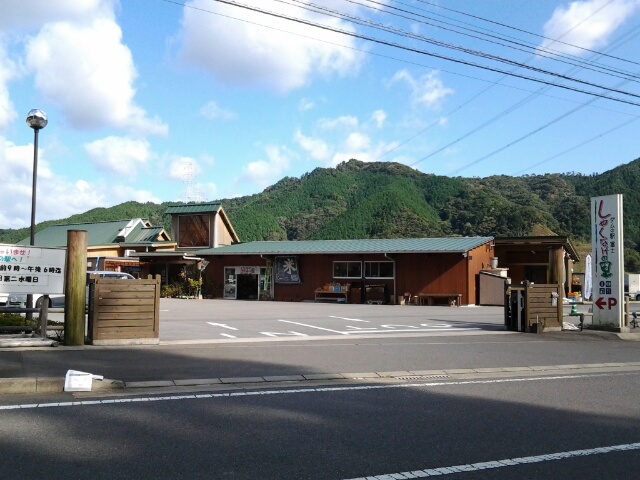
pixel 331 296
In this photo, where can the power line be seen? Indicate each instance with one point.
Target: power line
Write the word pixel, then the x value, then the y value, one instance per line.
pixel 526 47
pixel 596 95
pixel 575 147
pixel 554 40
pixel 432 41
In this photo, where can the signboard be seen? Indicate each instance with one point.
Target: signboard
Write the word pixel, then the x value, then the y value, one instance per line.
pixel 607 261
pixel 287 270
pixel 26 269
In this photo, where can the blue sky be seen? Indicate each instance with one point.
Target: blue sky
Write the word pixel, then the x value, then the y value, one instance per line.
pixel 156 100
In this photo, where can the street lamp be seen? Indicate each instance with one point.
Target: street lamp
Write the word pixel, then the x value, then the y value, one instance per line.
pixel 37 120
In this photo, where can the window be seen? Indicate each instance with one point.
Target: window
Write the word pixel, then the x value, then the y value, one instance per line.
pixel 347 269
pixel 193 230
pixel 378 269
pixel 535 274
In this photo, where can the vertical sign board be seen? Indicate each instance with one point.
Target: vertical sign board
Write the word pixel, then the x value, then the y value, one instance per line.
pixel 26 269
pixel 607 259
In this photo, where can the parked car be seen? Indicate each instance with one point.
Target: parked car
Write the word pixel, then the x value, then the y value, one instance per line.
pixel 19 300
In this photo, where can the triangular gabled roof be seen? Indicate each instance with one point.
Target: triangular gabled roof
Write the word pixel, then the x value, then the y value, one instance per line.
pixel 147 235
pixel 198 208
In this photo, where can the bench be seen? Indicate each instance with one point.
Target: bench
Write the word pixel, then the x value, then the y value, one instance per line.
pixel 452 298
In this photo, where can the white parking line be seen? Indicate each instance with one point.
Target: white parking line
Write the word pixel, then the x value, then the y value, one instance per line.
pixel 360 330
pixel 223 325
pixel 312 326
pixel 507 462
pixel 349 319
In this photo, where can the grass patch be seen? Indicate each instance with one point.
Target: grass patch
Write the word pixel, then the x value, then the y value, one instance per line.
pixel 14 319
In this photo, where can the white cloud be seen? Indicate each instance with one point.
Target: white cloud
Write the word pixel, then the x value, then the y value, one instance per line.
pixel 315 147
pixel 304 105
pixel 357 141
pixel 345 121
pixel 20 14
pixel 351 138
pixel 379 117
pixel 56 196
pixel 235 49
pixel 120 155
pixel 86 70
pixel 212 111
pixel 427 91
pixel 587 24
pixel 119 193
pixel 184 169
pixel 7 73
pixel 266 172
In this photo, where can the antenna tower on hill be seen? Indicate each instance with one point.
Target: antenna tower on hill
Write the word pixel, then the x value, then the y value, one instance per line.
pixel 192 191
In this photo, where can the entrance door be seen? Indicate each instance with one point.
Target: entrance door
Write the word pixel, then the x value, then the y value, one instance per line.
pixel 248 287
pixel 230 289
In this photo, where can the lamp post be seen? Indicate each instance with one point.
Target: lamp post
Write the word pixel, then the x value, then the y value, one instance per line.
pixel 37 120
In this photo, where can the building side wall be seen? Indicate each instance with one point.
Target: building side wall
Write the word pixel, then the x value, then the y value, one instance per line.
pixel 478 259
pixel 221 234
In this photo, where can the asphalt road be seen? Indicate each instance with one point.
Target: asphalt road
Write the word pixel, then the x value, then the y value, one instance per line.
pixel 486 427
pixel 492 415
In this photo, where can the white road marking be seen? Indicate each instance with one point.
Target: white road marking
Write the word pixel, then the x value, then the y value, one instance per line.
pixel 312 326
pixel 507 462
pixel 349 319
pixel 221 325
pixel 359 330
pixel 286 391
pixel 227 335
pixel 290 333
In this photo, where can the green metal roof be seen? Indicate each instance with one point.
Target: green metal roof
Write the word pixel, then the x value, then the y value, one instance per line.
pixel 400 245
pixel 193 208
pixel 148 234
pixel 98 233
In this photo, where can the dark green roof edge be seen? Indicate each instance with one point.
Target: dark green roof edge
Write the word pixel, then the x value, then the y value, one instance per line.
pixel 406 245
pixel 194 208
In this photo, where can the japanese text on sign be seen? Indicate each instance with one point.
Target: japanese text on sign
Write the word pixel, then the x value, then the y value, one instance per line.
pixel 31 270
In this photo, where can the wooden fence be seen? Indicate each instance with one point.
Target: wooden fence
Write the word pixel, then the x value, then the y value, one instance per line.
pixel 124 311
pixel 540 311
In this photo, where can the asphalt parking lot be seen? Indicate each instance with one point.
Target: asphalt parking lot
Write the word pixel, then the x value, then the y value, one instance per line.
pixel 224 320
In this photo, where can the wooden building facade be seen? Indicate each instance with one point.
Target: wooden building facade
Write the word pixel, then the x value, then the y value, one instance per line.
pixel 538 259
pixel 357 271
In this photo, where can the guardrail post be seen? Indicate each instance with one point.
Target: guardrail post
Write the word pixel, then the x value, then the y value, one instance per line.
pixel 44 316
pixel 627 312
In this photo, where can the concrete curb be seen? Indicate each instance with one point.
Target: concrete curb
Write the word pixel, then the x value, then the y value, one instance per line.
pixel 56 385
pixel 28 385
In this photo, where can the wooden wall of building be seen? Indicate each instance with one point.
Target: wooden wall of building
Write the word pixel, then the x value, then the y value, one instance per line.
pixel 415 273
pixel 221 234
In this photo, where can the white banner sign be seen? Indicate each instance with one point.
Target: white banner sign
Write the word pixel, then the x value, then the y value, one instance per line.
pixel 607 261
pixel 32 270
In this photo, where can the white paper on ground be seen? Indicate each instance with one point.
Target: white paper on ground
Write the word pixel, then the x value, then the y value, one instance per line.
pixel 76 381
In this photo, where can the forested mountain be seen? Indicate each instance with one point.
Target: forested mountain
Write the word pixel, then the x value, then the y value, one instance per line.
pixel 390 200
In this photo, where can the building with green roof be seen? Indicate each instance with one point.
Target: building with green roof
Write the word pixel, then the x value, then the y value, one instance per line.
pixel 433 270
